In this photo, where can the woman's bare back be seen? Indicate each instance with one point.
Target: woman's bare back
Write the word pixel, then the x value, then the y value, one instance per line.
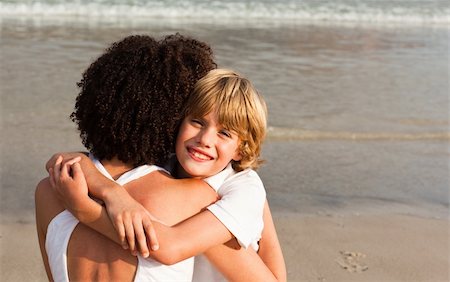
pixel 92 256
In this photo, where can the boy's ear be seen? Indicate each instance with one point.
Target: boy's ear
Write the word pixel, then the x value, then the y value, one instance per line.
pixel 237 156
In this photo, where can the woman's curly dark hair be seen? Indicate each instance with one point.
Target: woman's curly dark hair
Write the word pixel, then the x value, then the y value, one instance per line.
pixel 131 98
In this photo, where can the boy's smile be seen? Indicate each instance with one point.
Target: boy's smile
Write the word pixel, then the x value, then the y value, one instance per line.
pixel 204 147
pixel 198 154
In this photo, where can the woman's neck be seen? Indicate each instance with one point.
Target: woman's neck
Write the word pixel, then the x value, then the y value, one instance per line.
pixel 115 167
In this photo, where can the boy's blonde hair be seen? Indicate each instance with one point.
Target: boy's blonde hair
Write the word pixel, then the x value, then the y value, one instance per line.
pixel 239 107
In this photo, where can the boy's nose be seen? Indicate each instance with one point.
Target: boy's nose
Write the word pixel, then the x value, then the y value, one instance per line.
pixel 206 138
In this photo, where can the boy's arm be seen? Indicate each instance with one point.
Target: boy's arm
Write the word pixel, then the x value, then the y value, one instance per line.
pixel 101 187
pixel 69 183
pixel 98 184
pixel 181 241
pixel 189 238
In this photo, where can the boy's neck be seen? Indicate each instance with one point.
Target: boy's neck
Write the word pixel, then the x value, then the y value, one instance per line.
pixel 180 172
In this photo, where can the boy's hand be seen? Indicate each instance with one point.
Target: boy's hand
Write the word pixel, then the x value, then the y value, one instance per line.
pixel 132 222
pixel 69 183
pixel 65 157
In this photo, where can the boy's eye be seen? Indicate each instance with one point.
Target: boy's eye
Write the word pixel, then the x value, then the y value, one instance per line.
pixel 225 133
pixel 196 122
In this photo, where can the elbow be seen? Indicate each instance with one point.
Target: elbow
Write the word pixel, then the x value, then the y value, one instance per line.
pixel 281 274
pixel 282 277
pixel 167 255
pixel 167 260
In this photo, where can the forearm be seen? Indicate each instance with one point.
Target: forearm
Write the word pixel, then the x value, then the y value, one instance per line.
pixel 239 264
pixel 189 238
pixel 247 265
pixel 269 247
pixel 95 216
pixel 176 243
pixel 99 185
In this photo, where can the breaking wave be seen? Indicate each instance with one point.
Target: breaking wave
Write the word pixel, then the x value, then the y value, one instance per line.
pixel 286 134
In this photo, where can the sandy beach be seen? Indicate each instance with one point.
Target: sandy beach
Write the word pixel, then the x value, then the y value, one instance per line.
pixel 386 243
pixel 316 248
pixel 357 171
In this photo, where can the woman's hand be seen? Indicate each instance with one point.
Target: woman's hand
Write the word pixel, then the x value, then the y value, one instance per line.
pixel 132 222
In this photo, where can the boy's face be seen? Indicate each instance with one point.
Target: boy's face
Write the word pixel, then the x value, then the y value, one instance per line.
pixel 204 147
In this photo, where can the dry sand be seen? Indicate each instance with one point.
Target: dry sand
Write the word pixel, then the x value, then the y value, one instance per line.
pixel 316 248
pixel 365 248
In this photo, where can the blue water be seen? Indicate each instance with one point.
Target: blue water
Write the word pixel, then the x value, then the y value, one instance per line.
pixel 358 91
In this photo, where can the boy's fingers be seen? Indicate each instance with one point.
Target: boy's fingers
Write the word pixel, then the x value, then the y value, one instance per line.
pixel 74 160
pixel 77 172
pixel 57 168
pixel 51 162
pixel 50 178
pixel 65 171
pixel 151 234
pixel 140 237
pixel 118 225
pixel 129 233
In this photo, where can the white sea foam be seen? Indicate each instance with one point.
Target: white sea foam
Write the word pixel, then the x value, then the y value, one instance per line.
pixel 284 134
pixel 407 12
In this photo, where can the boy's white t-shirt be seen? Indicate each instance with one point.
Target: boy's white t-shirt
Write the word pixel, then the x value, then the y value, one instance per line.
pixel 240 209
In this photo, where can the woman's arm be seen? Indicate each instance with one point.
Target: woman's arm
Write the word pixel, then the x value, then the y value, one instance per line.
pixel 45 208
pixel 247 265
pixel 269 247
pixel 239 264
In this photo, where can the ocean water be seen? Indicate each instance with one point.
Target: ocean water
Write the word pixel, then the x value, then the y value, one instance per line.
pixel 400 11
pixel 358 92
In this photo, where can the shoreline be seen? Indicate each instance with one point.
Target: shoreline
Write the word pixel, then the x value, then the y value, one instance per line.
pixel 388 247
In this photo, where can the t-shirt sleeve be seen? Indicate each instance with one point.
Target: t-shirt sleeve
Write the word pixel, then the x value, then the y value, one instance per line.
pixel 241 205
